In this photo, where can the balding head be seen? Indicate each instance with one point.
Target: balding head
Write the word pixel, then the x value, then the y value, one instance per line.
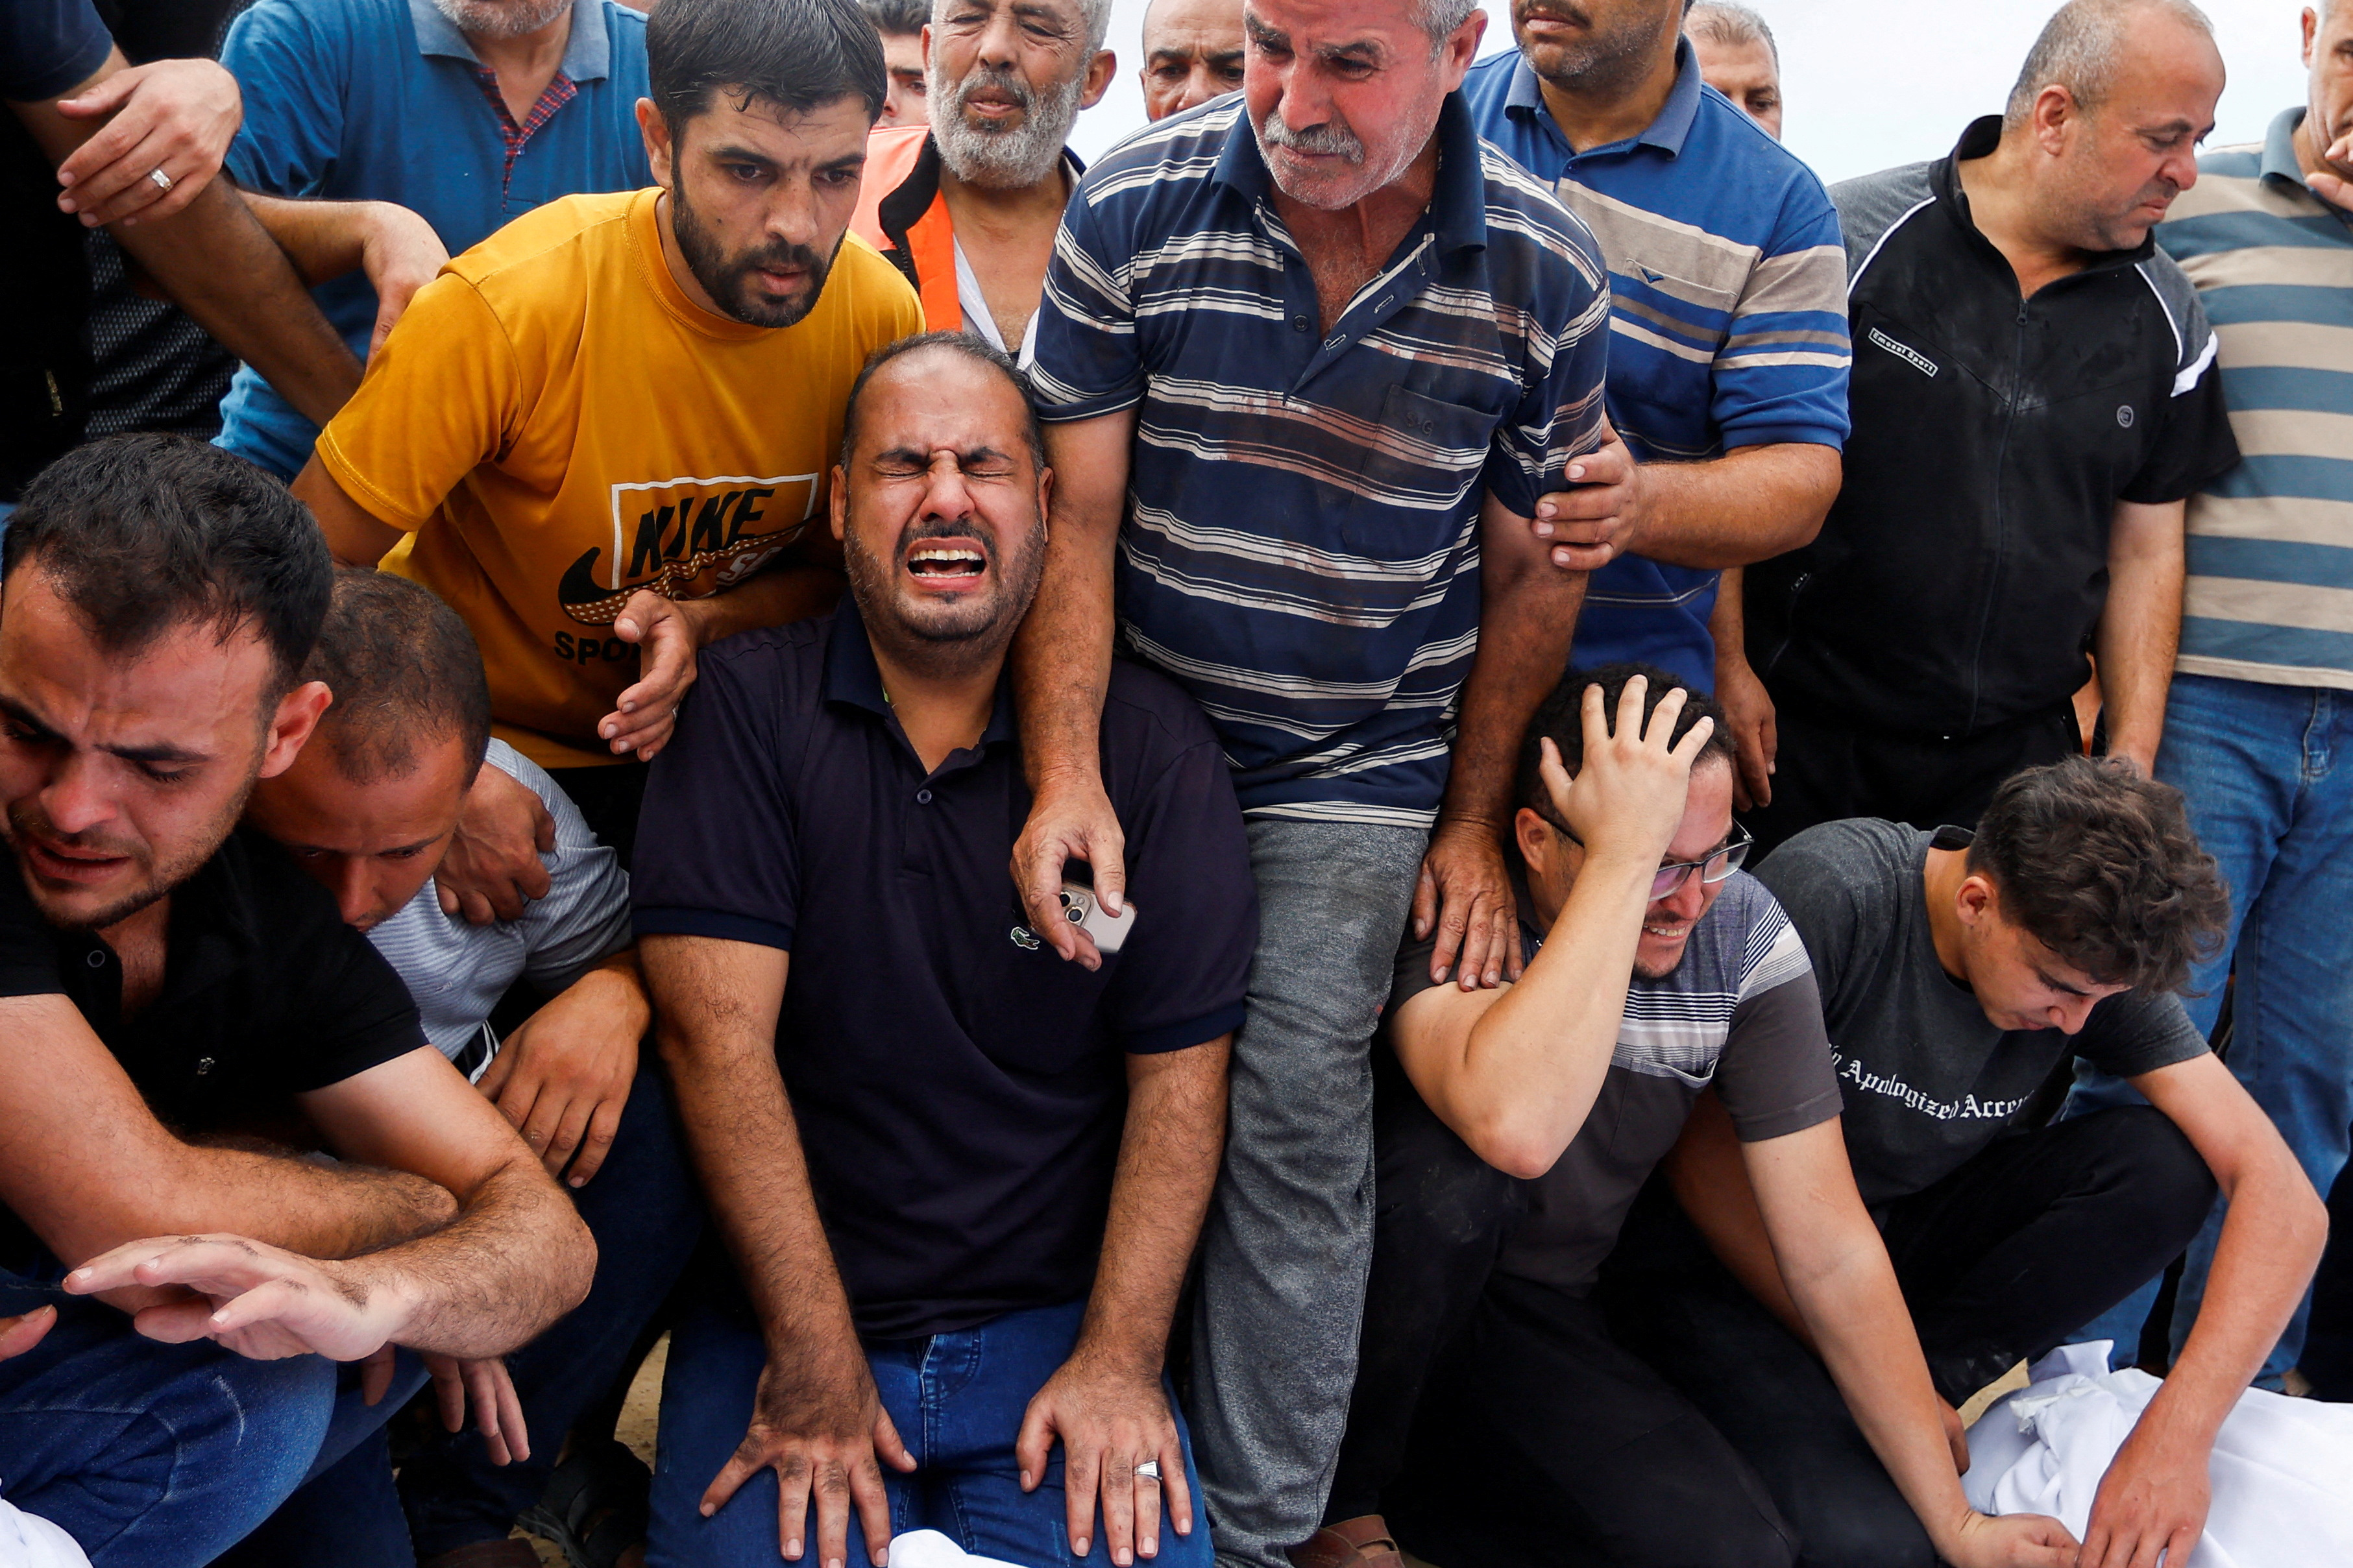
pixel 2083 47
pixel 1192 53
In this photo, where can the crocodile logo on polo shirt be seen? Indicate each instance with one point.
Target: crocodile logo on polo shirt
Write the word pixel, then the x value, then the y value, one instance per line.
pixel 1023 939
pixel 686 539
pixel 1903 351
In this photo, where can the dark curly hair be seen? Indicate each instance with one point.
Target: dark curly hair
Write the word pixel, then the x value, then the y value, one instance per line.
pixel 2099 865
pixel 1560 718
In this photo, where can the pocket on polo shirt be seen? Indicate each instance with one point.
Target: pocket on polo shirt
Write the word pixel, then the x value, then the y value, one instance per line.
pixel 1668 308
pixel 1422 455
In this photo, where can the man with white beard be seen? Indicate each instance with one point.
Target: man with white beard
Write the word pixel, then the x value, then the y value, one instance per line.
pixel 967 207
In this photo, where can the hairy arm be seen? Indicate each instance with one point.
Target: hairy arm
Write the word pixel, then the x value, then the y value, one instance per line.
pixel 1062 669
pixel 89 1167
pixel 1751 504
pixel 1106 1403
pixel 398 251
pixel 1527 617
pixel 517 1257
pixel 2156 1492
pixel 2140 628
pixel 817 1419
pixel 1843 1289
pixel 221 266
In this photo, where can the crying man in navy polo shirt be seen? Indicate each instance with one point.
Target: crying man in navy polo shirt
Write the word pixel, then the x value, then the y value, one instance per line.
pixel 961 1178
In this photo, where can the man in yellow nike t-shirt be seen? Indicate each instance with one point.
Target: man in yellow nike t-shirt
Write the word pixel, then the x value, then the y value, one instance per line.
pixel 601 433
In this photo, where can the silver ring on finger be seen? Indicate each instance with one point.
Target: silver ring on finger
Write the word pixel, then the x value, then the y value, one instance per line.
pixel 163 182
pixel 1149 1470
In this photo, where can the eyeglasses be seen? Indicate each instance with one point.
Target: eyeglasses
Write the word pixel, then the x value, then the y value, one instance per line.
pixel 1715 869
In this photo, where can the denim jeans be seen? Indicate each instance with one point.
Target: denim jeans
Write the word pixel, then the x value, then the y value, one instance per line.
pixel 151 1456
pixel 957 1400
pixel 644 1211
pixel 345 1513
pixel 2268 773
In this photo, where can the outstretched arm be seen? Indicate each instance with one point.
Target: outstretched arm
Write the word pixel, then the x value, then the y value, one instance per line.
pixel 2155 1493
pixel 1845 1289
pixel 1062 669
pixel 1106 1403
pixel 1749 505
pixel 816 1419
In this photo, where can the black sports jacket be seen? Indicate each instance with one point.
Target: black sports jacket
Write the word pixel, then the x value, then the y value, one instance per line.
pixel 1963 568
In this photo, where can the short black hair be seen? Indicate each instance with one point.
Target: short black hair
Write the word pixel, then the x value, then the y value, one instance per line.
pixel 404 669
pixel 142 534
pixel 897 18
pixel 1560 718
pixel 798 55
pixel 2100 866
pixel 971 348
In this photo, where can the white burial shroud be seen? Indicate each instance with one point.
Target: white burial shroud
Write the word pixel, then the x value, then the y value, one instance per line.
pixel 2283 1468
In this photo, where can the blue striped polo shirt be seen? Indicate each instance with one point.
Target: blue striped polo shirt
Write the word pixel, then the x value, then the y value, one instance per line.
pixel 1728 284
pixel 1301 549
pixel 2270 595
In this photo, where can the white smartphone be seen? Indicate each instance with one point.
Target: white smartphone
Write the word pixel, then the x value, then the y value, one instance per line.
pixel 1078 906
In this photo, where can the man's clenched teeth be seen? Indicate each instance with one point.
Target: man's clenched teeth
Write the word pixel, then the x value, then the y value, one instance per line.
pixel 946 561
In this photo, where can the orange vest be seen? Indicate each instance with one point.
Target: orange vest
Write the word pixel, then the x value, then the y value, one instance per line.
pixel 902 214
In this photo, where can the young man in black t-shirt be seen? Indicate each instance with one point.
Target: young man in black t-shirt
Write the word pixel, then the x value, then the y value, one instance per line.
pixel 961 1178
pixel 1956 974
pixel 170 988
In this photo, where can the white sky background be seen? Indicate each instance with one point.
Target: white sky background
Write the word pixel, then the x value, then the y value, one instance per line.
pixel 1870 83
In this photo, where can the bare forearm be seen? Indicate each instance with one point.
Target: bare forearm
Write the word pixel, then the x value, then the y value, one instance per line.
pixel 1748 505
pixel 1061 656
pixel 516 1258
pixel 1728 623
pixel 1527 620
pixel 319 1207
pixel 322 239
pixel 1175 1133
pixel 220 265
pixel 746 1148
pixel 2273 1235
pixel 2140 629
pixel 1863 1330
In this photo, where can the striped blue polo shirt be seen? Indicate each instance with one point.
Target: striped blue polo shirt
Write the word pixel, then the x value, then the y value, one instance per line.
pixel 1728 284
pixel 1301 549
pixel 2270 595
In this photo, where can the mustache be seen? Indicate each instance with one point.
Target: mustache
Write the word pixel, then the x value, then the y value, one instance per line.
pixel 1552 11
pixel 1005 81
pixel 779 253
pixel 924 530
pixel 1330 139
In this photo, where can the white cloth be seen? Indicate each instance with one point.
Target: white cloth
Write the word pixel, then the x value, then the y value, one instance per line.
pixel 2282 1468
pixel 974 303
pixel 30 1543
pixel 930 1549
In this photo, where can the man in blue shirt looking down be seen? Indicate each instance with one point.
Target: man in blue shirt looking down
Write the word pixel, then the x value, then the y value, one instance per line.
pixel 1728 335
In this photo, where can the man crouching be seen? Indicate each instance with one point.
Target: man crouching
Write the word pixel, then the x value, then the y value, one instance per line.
pixel 960 1239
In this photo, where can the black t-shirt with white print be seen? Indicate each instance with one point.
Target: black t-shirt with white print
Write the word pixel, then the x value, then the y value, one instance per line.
pixel 1928 1080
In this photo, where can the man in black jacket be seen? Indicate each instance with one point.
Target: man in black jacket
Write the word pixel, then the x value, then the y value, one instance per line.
pixel 2033 398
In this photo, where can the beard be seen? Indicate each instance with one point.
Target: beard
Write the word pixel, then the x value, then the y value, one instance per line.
pixel 953 636
pixel 727 278
pixel 158 874
pixel 1606 60
pixel 489 19
pixel 1016 156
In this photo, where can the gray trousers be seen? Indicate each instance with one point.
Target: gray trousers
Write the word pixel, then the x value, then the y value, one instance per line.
pixel 1289 1232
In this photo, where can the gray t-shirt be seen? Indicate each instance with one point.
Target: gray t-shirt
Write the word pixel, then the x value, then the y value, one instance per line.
pixel 456 971
pixel 1739 1013
pixel 1928 1078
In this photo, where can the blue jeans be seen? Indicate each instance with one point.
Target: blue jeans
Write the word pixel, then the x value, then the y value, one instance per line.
pixel 2268 773
pixel 151 1456
pixel 644 1211
pixel 958 1401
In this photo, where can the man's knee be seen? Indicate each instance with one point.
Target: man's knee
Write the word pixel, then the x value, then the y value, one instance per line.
pixel 2153 1169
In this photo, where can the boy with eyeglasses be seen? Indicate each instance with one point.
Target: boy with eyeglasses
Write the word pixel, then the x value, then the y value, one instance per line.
pixel 1496 1417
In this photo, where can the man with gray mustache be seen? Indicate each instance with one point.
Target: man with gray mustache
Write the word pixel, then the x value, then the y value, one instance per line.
pixel 967 207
